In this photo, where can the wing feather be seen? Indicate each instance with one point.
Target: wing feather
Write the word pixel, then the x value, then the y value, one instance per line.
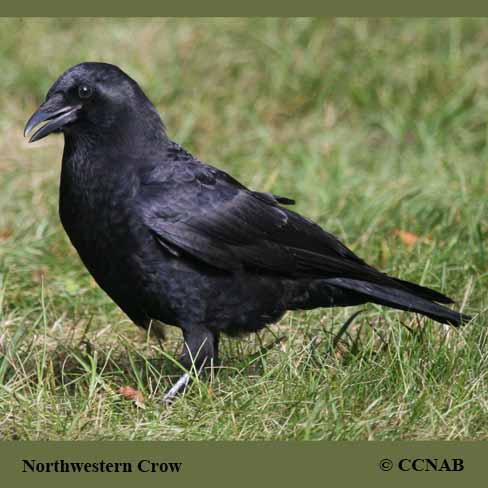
pixel 205 213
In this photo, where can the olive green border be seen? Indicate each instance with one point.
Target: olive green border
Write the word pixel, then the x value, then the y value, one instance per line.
pixel 224 8
pixel 250 464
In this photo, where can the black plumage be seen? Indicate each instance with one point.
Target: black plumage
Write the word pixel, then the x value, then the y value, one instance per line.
pixel 173 239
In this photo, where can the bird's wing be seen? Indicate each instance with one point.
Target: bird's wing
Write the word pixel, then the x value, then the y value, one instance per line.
pixel 199 211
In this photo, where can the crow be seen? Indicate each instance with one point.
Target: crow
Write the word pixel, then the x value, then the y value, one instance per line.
pixel 175 240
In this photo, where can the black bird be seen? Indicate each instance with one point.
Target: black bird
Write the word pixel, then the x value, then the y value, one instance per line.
pixel 176 240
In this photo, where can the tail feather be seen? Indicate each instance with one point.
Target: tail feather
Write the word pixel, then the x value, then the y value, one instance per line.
pixel 424 292
pixel 402 299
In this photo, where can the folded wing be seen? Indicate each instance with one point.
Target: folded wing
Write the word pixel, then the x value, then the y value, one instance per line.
pixel 202 212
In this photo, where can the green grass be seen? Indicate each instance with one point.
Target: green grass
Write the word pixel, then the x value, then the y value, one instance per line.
pixel 373 126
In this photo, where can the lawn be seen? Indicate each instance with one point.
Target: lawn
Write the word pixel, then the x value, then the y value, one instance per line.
pixel 379 130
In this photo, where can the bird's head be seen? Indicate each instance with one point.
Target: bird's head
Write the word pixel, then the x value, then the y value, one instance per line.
pixel 90 99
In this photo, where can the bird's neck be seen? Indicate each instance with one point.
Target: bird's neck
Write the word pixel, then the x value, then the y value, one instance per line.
pixel 139 136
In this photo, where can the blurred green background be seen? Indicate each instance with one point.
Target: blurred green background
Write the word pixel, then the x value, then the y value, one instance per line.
pixel 379 130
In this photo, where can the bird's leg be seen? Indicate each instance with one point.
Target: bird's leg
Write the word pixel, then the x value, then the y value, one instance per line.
pixel 216 338
pixel 199 350
pixel 177 388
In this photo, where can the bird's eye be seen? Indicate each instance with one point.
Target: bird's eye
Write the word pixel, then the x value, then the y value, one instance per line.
pixel 84 91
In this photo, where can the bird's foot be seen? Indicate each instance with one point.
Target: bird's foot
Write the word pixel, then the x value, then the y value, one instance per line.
pixel 176 389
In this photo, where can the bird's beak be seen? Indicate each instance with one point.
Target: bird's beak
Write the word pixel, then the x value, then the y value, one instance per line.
pixel 55 112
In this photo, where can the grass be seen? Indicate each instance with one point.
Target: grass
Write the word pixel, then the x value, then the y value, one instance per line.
pixel 376 127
